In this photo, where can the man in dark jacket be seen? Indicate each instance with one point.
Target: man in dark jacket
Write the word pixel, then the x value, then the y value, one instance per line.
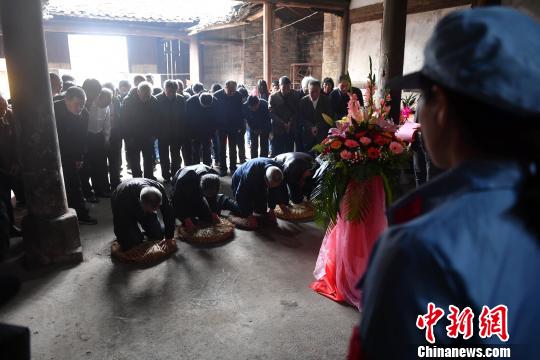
pixel 340 97
pixel 136 202
pixel 230 124
pixel 114 151
pixel 139 115
pixel 196 196
pixel 298 169
pixel 312 123
pixel 202 117
pixel 72 126
pixel 257 186
pixel 260 124
pixel 171 128
pixel 283 110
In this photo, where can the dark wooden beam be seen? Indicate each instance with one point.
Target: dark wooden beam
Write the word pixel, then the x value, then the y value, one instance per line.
pixel 393 49
pixel 268 26
pixel 106 28
pixel 331 5
pixel 375 11
pixel 476 3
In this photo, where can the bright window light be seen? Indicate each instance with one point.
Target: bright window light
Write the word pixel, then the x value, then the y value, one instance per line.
pixel 98 56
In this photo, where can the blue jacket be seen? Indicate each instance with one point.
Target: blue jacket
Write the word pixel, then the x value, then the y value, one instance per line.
pixel 453 242
pixel 250 188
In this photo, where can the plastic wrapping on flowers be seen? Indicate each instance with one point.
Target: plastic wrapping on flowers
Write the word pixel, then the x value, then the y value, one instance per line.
pixel 360 146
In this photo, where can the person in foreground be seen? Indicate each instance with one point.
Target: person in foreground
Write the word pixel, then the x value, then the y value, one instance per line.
pixel 258 186
pixel 136 202
pixel 457 265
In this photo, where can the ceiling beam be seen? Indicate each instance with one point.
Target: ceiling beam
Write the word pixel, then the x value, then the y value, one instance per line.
pixel 123 29
pixel 331 5
pixel 375 11
pixel 217 27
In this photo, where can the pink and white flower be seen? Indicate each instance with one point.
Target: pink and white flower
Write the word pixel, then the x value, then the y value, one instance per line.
pixel 396 147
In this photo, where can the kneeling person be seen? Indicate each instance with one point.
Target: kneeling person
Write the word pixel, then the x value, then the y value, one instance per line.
pixel 298 169
pixel 136 202
pixel 196 196
pixel 258 185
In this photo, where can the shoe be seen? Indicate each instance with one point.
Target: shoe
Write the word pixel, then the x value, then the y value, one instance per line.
pixel 222 173
pixel 87 220
pixel 15 231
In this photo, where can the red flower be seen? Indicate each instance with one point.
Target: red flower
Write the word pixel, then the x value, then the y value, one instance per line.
pixel 374 153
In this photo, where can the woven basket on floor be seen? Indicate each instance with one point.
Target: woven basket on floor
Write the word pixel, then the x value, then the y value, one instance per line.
pixel 242 223
pixel 207 233
pixel 298 212
pixel 148 252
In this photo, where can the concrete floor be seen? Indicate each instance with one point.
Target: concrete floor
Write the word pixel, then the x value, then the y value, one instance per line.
pixel 249 299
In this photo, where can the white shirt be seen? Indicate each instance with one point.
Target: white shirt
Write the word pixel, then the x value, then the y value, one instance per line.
pixel 314 102
pixel 100 121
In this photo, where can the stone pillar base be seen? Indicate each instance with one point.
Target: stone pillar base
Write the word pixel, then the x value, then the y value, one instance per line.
pixel 52 241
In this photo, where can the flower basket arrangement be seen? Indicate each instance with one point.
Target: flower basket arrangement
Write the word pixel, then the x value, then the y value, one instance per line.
pixel 359 147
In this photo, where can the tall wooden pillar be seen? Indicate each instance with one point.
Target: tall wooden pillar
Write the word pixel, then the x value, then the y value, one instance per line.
pixel 393 49
pixel 345 34
pixel 268 24
pixel 50 230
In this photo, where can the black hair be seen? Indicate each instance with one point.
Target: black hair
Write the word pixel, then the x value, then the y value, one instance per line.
pixel 206 99
pixel 275 83
pixel 76 92
pixel 67 77
pixel 197 87
pixel 67 84
pixel 215 88
pixel 328 80
pixel 284 80
pixel 483 127
pixel 171 84
pixel 92 88
pixel 315 83
pixel 109 85
pixel 210 182
pixel 252 100
pixel 344 77
pixel 137 79
pixel 243 92
pixel 262 87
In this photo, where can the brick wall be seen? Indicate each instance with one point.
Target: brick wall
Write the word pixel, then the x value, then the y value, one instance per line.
pixel 244 62
pixel 331 66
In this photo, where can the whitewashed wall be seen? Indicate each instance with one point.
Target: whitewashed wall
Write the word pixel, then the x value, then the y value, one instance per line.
pixel 365 41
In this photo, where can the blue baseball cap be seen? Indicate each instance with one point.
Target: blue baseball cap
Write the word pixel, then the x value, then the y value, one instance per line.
pixel 491 54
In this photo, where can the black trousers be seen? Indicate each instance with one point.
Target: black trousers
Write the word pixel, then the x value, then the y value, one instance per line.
pixel 114 155
pixel 201 150
pixel 241 144
pixel 282 143
pixel 134 149
pixel 227 138
pixel 95 166
pixel 74 193
pixel 127 229
pixel 254 136
pixel 169 166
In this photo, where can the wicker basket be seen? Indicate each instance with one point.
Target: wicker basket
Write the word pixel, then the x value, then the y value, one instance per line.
pixel 298 212
pixel 207 233
pixel 147 253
